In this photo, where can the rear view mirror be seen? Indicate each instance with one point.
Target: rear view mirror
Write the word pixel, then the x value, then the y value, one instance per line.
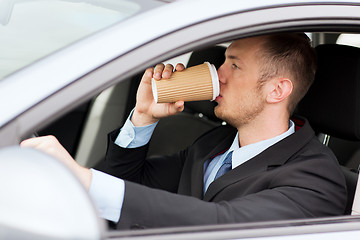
pixel 42 199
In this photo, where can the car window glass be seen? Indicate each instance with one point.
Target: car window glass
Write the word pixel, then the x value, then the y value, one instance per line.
pixel 30 30
pixel 349 39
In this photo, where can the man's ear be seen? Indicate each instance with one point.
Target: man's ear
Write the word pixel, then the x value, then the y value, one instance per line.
pixel 279 89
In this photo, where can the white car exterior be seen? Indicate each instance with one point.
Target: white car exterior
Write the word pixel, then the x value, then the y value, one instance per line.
pixel 38 93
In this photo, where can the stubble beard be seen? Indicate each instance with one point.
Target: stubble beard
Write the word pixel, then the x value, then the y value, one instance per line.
pixel 244 113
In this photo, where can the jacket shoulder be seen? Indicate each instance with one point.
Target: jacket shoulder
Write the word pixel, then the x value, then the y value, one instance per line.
pixel 220 132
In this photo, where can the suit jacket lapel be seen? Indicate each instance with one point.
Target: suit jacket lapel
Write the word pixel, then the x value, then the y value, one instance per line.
pixel 239 173
pixel 198 166
pixel 274 156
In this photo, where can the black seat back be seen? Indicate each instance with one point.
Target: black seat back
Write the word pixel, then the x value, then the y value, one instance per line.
pixel 332 104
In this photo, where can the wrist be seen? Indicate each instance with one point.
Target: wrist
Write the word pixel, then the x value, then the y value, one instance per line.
pixel 139 119
pixel 85 177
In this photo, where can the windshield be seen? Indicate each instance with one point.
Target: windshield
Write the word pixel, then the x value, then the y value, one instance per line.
pixel 32 29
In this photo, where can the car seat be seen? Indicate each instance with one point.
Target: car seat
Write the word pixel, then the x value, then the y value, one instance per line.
pixel 175 133
pixel 332 104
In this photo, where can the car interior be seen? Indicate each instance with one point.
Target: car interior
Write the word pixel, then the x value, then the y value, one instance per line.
pixel 332 110
pixel 331 106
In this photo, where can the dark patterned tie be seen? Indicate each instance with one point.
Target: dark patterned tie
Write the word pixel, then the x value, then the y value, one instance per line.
pixel 225 167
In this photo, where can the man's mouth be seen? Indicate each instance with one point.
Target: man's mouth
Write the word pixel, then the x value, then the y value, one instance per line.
pixel 218 98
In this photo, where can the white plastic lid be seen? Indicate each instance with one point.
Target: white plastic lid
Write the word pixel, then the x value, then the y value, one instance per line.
pixel 215 80
pixel 154 90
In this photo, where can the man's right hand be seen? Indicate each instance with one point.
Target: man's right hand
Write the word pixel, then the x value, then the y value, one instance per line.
pixel 147 111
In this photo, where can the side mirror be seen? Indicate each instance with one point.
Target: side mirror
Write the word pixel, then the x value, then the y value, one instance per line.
pixel 42 199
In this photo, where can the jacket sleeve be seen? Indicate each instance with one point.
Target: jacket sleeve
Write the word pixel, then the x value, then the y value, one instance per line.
pixel 162 172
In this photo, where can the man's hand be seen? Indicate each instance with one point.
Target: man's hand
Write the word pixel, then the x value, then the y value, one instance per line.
pixel 51 146
pixel 146 110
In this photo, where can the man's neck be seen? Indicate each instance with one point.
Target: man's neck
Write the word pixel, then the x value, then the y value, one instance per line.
pixel 262 129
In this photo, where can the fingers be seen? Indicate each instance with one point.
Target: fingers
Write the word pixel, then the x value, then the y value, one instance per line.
pixel 167 71
pixel 158 71
pixel 49 145
pixel 163 71
pixel 179 67
pixel 39 142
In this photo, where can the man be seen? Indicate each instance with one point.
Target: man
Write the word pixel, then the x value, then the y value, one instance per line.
pixel 276 168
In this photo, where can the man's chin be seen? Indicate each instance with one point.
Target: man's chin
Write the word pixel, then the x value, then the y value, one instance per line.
pixel 218 112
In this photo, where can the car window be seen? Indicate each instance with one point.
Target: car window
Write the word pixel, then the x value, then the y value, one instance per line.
pixel 349 39
pixel 31 30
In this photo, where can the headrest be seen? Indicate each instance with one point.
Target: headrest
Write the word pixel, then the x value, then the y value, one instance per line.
pixel 216 56
pixel 332 104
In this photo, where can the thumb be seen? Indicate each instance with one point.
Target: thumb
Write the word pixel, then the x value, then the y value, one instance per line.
pixel 176 107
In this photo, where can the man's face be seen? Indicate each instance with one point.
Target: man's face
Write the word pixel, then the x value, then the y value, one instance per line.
pixel 241 99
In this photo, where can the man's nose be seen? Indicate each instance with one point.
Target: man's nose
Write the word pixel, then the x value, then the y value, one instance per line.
pixel 221 74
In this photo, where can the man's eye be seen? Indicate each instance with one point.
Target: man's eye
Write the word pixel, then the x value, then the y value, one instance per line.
pixel 234 66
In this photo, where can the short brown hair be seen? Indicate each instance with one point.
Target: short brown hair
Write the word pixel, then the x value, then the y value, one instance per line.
pixel 289 55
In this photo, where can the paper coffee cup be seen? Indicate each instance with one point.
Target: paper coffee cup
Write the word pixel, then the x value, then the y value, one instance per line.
pixel 196 83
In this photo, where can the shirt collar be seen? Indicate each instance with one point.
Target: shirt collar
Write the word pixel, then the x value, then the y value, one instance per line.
pixel 242 154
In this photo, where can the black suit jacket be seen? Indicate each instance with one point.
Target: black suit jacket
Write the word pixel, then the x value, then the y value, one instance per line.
pixel 297 177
